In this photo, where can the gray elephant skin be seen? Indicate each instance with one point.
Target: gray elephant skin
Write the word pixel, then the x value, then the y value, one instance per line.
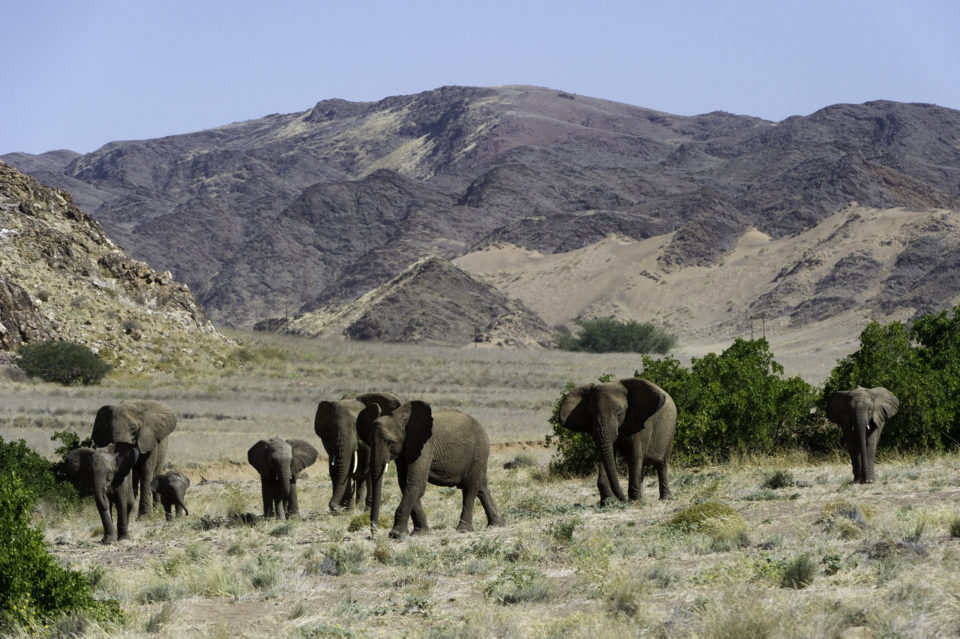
pixel 279 461
pixel 633 417
pixel 442 447
pixel 336 425
pixel 861 414
pixel 107 472
pixel 171 487
pixel 145 424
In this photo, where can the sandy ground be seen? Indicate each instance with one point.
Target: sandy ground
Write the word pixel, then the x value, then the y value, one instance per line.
pixel 709 306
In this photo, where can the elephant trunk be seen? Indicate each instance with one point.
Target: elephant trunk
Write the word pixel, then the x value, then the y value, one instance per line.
pixel 103 507
pixel 340 475
pixel 284 496
pixel 377 469
pixel 605 441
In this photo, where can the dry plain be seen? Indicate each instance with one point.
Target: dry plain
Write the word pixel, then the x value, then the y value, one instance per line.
pixel 881 559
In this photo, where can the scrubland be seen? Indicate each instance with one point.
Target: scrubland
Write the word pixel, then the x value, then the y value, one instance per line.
pixel 782 546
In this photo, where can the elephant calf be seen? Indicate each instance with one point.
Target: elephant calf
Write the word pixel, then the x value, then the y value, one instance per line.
pixel 279 461
pixel 107 472
pixel 172 487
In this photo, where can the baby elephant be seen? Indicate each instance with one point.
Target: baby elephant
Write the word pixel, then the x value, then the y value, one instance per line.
pixel 279 461
pixel 171 486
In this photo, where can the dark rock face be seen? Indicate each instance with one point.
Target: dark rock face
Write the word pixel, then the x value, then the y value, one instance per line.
pixel 304 209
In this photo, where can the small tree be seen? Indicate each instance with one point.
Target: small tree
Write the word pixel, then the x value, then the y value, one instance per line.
pixel 63 362
pixel 608 335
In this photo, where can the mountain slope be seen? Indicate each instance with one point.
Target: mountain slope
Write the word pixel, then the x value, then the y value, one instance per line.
pixel 301 210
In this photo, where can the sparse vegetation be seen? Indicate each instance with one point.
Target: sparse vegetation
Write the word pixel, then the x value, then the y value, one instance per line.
pixel 62 362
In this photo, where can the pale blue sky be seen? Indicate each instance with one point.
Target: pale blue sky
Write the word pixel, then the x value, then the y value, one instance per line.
pixel 77 74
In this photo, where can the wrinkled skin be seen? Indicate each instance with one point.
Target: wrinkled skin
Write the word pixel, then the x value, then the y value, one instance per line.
pixel 171 487
pixel 279 461
pixel 336 425
pixel 633 417
pixel 861 414
pixel 443 447
pixel 145 424
pixel 107 473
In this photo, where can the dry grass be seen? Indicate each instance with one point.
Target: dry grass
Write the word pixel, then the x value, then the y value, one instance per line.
pixel 561 567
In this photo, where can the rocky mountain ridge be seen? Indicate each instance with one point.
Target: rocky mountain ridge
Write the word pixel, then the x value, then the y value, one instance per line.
pixel 303 210
pixel 61 277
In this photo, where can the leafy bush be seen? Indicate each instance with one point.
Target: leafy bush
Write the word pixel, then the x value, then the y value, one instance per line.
pixel 39 477
pixel 736 401
pixel 608 335
pixel 63 362
pixel 921 366
pixel 33 586
pixel 799 572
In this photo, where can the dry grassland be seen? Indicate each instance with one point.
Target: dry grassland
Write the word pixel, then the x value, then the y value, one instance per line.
pixel 799 551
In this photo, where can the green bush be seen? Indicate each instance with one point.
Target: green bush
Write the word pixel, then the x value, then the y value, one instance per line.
pixel 921 366
pixel 63 362
pixel 34 588
pixel 39 477
pixel 608 335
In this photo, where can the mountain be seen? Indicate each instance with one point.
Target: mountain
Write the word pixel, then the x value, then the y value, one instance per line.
pixel 431 301
pixel 61 277
pixel 291 213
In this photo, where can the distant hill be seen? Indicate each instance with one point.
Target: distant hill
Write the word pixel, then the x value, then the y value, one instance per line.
pixel 61 277
pixel 291 213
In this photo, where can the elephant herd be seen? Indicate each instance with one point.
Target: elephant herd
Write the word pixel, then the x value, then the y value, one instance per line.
pixel 633 418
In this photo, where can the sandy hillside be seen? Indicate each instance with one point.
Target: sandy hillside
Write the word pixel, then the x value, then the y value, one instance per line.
pixel 710 306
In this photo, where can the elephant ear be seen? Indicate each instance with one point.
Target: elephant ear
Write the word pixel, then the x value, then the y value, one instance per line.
pixel 388 402
pixel 325 413
pixel 79 464
pixel 303 455
pixel 418 419
pixel 574 412
pixel 837 407
pixel 365 423
pixel 157 421
pixel 155 483
pixel 125 456
pixel 257 456
pixel 885 405
pixel 644 400
pixel 103 429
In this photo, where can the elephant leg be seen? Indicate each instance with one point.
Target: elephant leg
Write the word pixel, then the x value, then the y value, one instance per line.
pixel 489 506
pixel 603 484
pixel 664 481
pixel 873 438
pixel 267 493
pixel 412 492
pixel 361 494
pixel 123 520
pixel 466 513
pixel 854 451
pixel 167 508
pixel 419 517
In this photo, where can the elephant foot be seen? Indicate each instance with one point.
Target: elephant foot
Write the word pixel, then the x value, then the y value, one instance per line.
pixel 420 530
pixel 666 496
pixel 396 533
pixel 496 522
pixel 108 540
pixel 463 527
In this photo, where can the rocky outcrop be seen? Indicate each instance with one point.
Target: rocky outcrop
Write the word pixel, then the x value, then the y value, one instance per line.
pixel 61 277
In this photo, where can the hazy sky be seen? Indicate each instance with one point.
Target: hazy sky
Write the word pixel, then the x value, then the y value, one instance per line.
pixel 77 74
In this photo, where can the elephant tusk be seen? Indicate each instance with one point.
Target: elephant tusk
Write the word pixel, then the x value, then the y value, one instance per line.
pixel 353 468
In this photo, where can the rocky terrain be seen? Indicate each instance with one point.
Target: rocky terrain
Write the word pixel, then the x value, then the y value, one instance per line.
pixel 432 301
pixel 61 277
pixel 292 213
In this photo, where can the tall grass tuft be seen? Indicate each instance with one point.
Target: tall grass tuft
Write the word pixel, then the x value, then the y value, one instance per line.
pixel 799 572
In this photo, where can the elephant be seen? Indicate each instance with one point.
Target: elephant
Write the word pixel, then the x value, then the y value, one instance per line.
pixel 443 447
pixel 107 472
pixel 279 461
pixel 336 425
pixel 634 417
pixel 145 424
pixel 171 487
pixel 861 414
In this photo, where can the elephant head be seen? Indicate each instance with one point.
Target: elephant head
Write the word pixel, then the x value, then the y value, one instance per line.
pixel 107 473
pixel 861 414
pixel 336 425
pixel 279 461
pixel 612 412
pixel 402 433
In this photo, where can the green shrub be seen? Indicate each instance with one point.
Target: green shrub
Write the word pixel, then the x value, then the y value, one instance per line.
pixel 955 527
pixel 799 572
pixel 608 335
pixel 63 362
pixel 34 588
pixel 39 477
pixel 518 584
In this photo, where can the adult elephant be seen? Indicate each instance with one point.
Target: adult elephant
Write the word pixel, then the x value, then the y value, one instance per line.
pixel 145 424
pixel 633 417
pixel 336 425
pixel 443 447
pixel 861 414
pixel 107 472
pixel 279 461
